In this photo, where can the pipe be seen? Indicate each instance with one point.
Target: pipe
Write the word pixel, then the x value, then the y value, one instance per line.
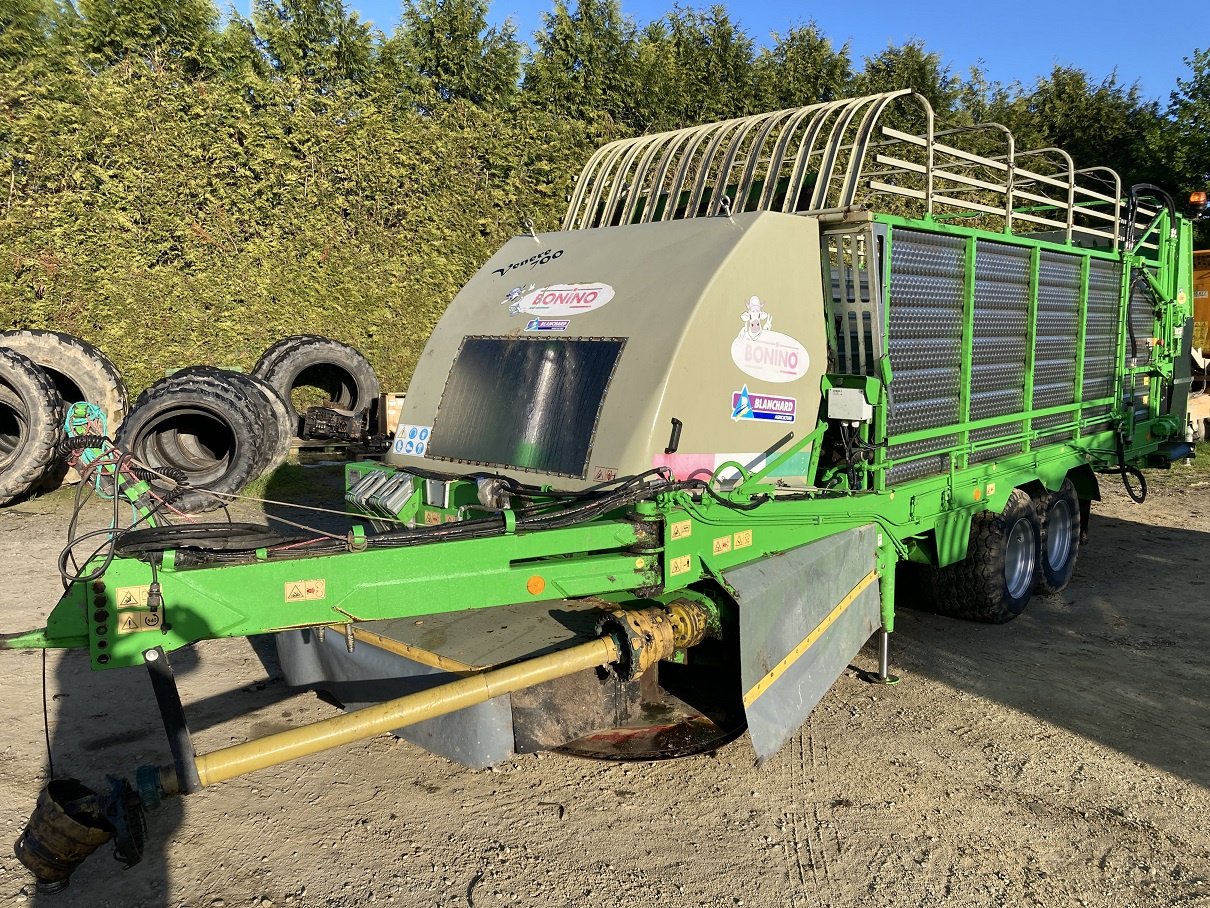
pixel 239 759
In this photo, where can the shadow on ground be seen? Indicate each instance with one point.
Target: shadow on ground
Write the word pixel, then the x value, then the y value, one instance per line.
pixel 1118 657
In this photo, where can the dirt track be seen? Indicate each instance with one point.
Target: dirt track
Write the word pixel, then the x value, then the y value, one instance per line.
pixel 1058 760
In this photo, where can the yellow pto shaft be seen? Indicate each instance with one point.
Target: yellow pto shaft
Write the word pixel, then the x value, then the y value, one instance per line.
pixel 239 759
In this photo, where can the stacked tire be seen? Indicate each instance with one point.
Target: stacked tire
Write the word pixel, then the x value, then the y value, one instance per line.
pixel 40 372
pixel 217 428
pixel 310 361
pixel 31 415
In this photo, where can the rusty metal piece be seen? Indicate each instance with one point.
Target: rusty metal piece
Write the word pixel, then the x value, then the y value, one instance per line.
pixel 690 622
pixel 645 636
pixel 68 824
pixel 651 634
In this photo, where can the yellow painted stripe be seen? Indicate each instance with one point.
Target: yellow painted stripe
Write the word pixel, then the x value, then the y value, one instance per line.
pixel 424 657
pixel 795 654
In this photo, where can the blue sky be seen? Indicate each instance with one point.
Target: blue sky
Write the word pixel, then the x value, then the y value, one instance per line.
pixel 1015 39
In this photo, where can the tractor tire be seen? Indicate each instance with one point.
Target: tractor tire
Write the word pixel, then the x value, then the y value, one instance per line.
pixel 319 362
pixel 274 414
pixel 276 351
pixel 995 581
pixel 31 422
pixel 203 425
pixel 78 369
pixel 1060 516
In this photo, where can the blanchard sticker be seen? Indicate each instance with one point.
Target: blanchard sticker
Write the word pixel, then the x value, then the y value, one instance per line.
pixel 766 354
pixel 412 439
pixel 547 324
pixel 745 405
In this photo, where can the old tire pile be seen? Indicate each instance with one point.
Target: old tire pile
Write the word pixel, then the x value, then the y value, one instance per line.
pixel 78 369
pixel 31 415
pixel 40 371
pixel 309 361
pixel 220 429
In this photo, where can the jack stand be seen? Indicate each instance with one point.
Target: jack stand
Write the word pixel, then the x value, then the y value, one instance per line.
pixel 884 675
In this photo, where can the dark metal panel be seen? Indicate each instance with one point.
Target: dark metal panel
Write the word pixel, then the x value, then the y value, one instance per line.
pixel 526 402
pixel 478 736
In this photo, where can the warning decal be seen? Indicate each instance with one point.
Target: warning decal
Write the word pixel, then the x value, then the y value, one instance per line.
pixel 130 622
pixel 679 566
pixel 305 590
pixel 131 596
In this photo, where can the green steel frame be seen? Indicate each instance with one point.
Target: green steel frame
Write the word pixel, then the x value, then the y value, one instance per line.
pixel 675 540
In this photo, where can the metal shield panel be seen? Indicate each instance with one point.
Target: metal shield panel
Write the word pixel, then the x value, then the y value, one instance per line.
pixel 478 736
pixel 803 615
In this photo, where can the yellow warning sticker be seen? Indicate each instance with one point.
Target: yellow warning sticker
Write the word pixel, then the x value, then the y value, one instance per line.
pixel 679 566
pixel 131 596
pixel 305 590
pixel 743 539
pixel 682 529
pixel 722 545
pixel 431 518
pixel 135 620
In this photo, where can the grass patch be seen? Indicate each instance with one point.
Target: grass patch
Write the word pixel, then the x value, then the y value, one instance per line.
pixel 1191 474
pixel 317 484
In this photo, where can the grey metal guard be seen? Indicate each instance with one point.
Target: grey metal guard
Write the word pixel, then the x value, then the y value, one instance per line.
pixel 833 157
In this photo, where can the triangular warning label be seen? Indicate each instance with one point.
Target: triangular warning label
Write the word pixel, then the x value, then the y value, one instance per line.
pixel 129 624
pixel 128 600
pixel 296 592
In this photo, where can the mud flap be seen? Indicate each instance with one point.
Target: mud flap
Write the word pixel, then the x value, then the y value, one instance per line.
pixel 803 615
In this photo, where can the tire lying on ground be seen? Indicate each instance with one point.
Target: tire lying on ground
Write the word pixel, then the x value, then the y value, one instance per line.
pixel 310 361
pixel 78 370
pixel 204 425
pixel 277 433
pixel 31 420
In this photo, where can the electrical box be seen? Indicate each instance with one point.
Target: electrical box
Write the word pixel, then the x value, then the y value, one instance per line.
pixel 849 405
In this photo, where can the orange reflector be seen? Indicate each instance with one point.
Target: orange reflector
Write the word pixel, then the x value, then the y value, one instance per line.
pixel 535 585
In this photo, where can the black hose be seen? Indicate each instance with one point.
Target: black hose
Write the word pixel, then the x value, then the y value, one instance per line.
pixel 1127 471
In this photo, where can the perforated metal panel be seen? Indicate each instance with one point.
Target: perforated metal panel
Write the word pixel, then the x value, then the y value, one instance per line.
pixel 924 344
pixel 1055 356
pixel 998 342
pixel 1101 338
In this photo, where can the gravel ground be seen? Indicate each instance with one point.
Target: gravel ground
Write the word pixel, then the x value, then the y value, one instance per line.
pixel 1057 760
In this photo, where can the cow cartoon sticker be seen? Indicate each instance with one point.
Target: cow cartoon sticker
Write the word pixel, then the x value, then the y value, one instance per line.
pixel 763 353
pixel 756 320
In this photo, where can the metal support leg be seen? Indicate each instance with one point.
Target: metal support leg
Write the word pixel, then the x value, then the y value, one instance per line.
pixel 168 698
pixel 884 675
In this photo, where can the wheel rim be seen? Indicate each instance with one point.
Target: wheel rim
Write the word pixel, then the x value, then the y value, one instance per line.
pixel 1019 558
pixel 1058 534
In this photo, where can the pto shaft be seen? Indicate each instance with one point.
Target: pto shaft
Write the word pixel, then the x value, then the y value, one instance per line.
pixel 229 762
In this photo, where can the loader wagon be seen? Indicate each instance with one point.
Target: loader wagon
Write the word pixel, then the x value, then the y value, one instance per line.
pixel 661 473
